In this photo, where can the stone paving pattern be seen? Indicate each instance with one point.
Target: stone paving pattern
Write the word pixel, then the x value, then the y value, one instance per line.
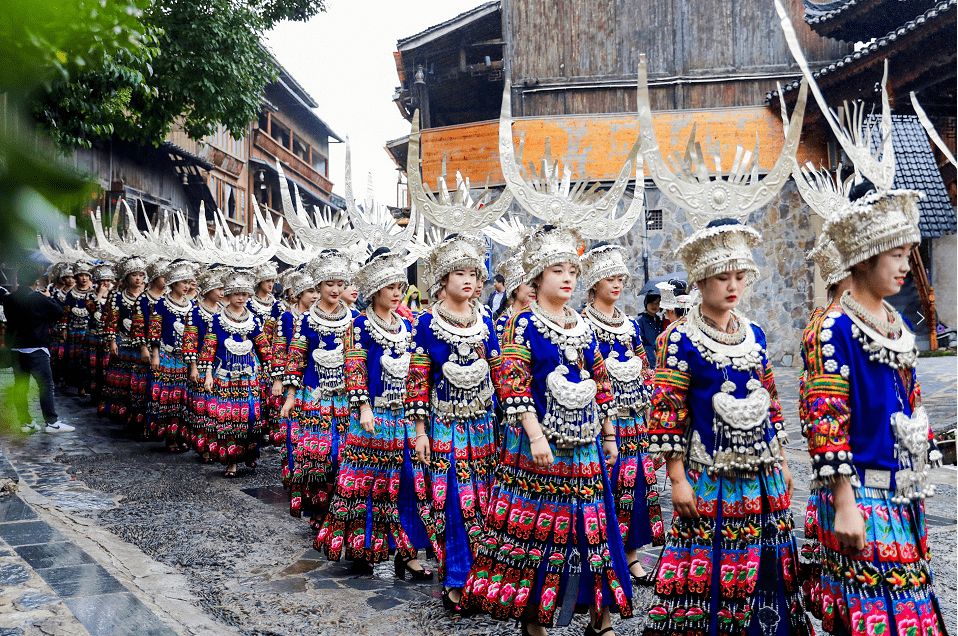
pixel 112 535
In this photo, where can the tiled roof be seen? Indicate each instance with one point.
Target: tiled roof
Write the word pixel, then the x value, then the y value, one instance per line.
pixel 915 169
pixel 816 12
pixel 937 12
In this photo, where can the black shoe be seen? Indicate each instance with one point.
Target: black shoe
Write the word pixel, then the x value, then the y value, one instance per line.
pixel 592 631
pixel 402 566
pixel 455 608
pixel 645 581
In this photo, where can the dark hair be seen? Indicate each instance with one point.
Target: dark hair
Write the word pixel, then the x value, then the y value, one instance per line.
pixel 500 278
pixel 651 298
pixel 379 252
pixel 722 222
pixel 860 190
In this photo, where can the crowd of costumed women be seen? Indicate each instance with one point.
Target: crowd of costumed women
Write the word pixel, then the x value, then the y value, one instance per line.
pixel 521 449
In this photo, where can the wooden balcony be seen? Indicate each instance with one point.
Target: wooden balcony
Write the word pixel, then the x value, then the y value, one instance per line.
pixel 305 172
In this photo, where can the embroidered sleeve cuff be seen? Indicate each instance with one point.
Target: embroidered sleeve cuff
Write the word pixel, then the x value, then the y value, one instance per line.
pixel 515 405
pixel 290 380
pixel 358 396
pixel 189 357
pixel 608 408
pixel 417 409
pixel 830 467
pixel 934 455
pixel 666 445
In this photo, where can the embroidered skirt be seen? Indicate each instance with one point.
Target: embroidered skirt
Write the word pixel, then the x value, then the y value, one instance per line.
pixel 316 434
pixel 884 589
pixel 380 495
pixel 235 410
pixel 734 569
pixel 124 376
pixel 202 426
pixel 168 403
pixel 461 479
pixel 543 528
pixel 633 486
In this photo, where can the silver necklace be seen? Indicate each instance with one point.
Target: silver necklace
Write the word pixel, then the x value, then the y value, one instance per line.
pixel 563 322
pixel 615 324
pixel 734 338
pixel 891 328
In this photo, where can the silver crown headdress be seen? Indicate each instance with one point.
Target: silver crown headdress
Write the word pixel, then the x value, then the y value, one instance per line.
pixel 511 270
pixel 382 269
pixel 103 271
pixel 179 271
pixel 210 278
pixel 331 265
pixel 685 180
pixel 131 265
pixel 299 281
pixel 82 267
pixel 603 261
pixel 238 281
pixel 265 271
pixel 668 298
pixel 460 213
pixel 458 252
pixel 720 248
pixel 547 247
pixel 156 268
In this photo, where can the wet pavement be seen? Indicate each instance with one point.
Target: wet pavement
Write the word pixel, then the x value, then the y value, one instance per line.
pixel 111 535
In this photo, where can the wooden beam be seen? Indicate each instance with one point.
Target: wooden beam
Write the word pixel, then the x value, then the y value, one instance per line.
pixel 926 293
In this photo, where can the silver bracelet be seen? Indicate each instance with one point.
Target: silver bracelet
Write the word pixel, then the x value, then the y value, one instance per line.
pixel 421 435
pixel 537 439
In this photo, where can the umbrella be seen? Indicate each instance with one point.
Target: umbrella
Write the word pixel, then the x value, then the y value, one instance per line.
pixel 678 279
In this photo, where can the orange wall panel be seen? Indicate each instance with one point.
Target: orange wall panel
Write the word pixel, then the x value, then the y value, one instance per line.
pixel 595 146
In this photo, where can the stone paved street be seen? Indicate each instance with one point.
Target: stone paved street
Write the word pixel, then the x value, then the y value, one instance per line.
pixel 111 535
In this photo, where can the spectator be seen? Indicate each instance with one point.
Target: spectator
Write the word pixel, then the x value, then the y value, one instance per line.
pixel 31 314
pixel 497 298
pixel 650 325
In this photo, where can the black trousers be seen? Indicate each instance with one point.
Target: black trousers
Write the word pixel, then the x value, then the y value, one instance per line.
pixel 37 366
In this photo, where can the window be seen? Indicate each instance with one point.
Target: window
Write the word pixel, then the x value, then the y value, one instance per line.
pixel 223 140
pixel 279 133
pixel 301 149
pixel 653 220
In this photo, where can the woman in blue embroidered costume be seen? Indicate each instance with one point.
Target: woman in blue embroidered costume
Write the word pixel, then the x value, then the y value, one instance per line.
pixel 233 351
pixel 139 401
pixel 449 395
pixel 730 561
pixel 315 381
pixel 202 426
pixel 168 397
pixel 77 318
pixel 268 309
pixel 303 294
pixel 96 351
pixel 630 374
pixel 518 293
pixel 869 436
pixel 125 373
pixel 550 541
pixel 380 492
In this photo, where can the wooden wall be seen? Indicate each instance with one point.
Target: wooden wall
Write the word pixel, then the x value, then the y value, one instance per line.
pixel 596 146
pixel 575 57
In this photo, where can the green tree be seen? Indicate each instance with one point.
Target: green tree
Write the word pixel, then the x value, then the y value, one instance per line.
pixel 208 67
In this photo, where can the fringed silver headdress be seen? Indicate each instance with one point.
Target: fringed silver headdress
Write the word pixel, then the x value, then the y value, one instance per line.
pixel 179 271
pixel 603 261
pixel 210 278
pixel 103 271
pixel 238 281
pixel 331 265
pixel 719 247
pixel 299 281
pixel 131 265
pixel 156 268
pixel 383 268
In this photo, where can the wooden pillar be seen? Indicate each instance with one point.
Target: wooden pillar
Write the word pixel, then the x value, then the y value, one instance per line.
pixel 927 295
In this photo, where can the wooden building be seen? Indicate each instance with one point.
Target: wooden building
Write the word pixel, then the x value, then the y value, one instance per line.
pixel 572 67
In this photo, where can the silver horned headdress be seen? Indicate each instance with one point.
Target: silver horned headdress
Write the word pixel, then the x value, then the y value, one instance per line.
pixel 459 213
pixel 556 200
pixel 721 247
pixel 685 180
